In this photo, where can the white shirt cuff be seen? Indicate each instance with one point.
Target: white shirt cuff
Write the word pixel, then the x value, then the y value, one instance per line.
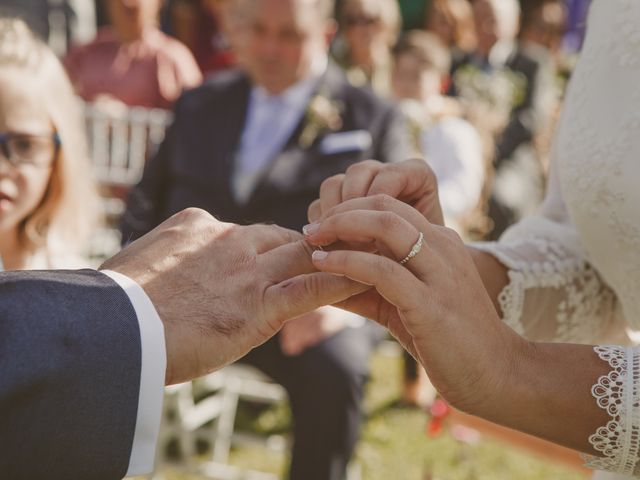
pixel 152 375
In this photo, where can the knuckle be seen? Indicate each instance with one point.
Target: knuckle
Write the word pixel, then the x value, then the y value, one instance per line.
pixel 283 234
pixel 383 202
pixel 193 214
pixel 385 267
pixel 331 183
pixel 306 250
pixel 395 169
pixel 355 168
pixel 417 163
pixel 331 212
pixel 451 235
pixel 421 169
pixel 389 221
pixel 371 164
pixel 358 168
pixel 295 295
pixel 312 286
pixel 314 210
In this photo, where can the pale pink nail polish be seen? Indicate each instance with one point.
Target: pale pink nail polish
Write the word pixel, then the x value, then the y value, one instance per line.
pixel 311 228
pixel 319 255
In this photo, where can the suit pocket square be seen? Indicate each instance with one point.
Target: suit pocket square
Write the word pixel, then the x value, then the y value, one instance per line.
pixel 342 142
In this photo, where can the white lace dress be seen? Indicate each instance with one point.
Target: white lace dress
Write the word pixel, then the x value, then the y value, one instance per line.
pixel 574 268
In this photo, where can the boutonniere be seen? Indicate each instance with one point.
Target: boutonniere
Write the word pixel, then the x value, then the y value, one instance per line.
pixel 321 114
pixel 501 88
pixel 491 96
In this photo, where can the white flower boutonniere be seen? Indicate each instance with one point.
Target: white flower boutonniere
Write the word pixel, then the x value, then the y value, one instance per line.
pixel 321 114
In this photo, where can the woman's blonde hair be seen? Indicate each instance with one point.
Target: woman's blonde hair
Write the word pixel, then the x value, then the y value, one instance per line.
pixel 68 212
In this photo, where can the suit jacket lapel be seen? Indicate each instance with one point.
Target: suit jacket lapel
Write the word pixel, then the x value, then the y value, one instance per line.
pixel 225 136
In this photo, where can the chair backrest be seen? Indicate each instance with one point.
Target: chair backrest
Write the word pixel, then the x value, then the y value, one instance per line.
pixel 120 144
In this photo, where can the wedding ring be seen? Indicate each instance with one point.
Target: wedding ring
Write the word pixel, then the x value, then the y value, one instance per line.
pixel 414 250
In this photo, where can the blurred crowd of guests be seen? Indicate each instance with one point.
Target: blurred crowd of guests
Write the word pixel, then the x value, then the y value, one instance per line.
pixel 463 72
pixel 271 98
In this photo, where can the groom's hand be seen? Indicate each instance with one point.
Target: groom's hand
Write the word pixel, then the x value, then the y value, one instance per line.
pixel 221 289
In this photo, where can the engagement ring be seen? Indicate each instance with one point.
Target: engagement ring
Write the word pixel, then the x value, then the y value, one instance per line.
pixel 414 250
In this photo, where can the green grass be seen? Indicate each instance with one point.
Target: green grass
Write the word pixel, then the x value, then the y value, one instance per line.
pixel 394 445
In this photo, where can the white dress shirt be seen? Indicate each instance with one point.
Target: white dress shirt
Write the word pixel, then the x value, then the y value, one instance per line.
pixel 271 120
pixel 453 149
pixel 152 375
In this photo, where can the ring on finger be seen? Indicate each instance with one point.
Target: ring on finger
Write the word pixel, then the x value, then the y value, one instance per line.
pixel 414 250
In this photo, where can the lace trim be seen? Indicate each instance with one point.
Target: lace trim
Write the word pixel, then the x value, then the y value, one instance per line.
pixel 585 297
pixel 619 394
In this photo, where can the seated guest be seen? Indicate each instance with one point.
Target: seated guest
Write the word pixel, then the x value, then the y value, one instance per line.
pixel 368 31
pixel 46 192
pixel 255 147
pixel 452 22
pixel 73 20
pixel 544 26
pixel 132 61
pixel 451 146
pixel 517 82
pixel 209 28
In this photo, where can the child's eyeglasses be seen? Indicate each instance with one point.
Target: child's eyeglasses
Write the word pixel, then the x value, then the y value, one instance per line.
pixel 21 149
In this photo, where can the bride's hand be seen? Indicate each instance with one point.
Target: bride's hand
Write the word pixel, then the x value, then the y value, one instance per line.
pixel 411 182
pixel 435 304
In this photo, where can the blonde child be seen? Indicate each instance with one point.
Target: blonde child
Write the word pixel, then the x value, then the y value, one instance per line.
pixel 47 199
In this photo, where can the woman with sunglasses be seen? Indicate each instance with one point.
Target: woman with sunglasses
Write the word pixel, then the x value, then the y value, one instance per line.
pixel 47 199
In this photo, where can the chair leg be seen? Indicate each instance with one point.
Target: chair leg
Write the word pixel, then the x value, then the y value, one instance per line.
pixel 354 471
pixel 226 420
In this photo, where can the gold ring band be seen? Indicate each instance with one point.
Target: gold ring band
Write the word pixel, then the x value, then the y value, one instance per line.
pixel 414 250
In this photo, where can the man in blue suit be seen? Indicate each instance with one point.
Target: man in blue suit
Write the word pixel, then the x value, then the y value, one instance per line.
pixel 84 355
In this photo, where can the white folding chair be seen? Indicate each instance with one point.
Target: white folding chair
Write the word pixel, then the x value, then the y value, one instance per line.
pixel 212 419
pixel 120 143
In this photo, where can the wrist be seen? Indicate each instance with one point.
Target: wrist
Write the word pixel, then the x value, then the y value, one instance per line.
pixel 510 369
pixel 494 274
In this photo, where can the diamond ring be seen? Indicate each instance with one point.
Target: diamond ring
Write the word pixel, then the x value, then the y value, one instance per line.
pixel 414 250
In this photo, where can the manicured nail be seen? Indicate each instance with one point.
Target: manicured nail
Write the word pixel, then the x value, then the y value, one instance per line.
pixel 319 255
pixel 311 228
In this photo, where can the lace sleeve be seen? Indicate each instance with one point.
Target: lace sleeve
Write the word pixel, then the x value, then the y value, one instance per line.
pixel 619 394
pixel 553 293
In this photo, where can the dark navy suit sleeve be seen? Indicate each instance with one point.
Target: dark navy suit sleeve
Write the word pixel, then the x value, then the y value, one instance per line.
pixel 70 361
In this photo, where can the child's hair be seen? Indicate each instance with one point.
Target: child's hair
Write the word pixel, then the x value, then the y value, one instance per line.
pixel 68 211
pixel 425 47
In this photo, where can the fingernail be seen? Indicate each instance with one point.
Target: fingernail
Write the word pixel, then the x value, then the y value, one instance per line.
pixel 319 255
pixel 311 228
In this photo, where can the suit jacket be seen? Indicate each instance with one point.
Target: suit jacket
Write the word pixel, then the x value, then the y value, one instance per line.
pixel 526 119
pixel 530 116
pixel 70 361
pixel 194 165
